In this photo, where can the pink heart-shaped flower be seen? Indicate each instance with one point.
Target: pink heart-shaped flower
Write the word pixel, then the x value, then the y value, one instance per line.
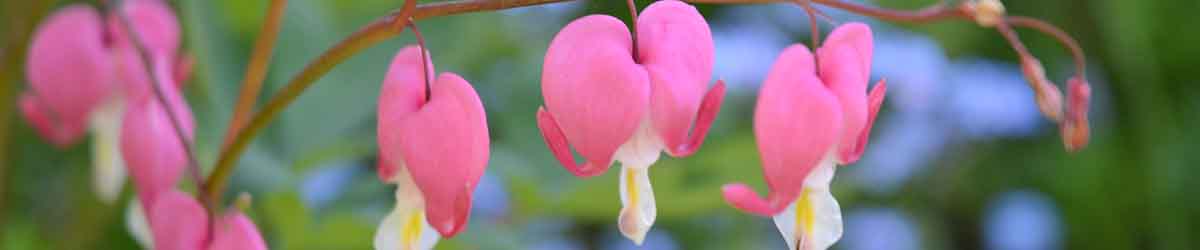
pixel 803 118
pixel 178 222
pixel 442 142
pixel 597 93
pixel 69 72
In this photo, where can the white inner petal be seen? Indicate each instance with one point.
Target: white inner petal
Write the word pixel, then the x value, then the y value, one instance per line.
pixel 406 228
pixel 638 210
pixel 108 169
pixel 814 220
pixel 136 223
pixel 642 149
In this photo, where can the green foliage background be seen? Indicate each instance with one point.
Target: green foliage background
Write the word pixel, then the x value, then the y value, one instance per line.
pixel 1131 189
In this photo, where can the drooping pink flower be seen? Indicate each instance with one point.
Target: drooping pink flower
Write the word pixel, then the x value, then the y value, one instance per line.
pixel 70 72
pixel 811 116
pixel 178 222
pixel 614 103
pixel 437 145
pixel 149 144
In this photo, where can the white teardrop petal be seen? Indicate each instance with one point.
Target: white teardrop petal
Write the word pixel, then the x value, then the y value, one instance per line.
pixel 786 223
pixel 814 220
pixel 405 230
pixel 135 222
pixel 108 169
pixel 638 209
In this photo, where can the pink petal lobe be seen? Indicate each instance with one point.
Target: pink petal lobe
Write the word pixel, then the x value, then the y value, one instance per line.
pixel 150 147
pixel 158 29
pixel 675 45
pixel 69 69
pixel 743 198
pixel 707 114
pixel 178 222
pixel 592 87
pixel 402 94
pixel 874 102
pixel 796 122
pixel 445 148
pixel 558 145
pixel 235 231
pixel 59 134
pixel 845 67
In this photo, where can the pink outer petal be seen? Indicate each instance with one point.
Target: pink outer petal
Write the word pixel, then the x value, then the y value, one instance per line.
pixel 178 222
pixel 150 147
pixel 158 29
pixel 796 122
pixel 708 113
pixel 676 47
pixel 557 143
pixel 402 94
pixel 69 68
pixel 845 67
pixel 235 231
pixel 58 134
pixel 742 197
pixel 874 101
pixel 445 148
pixel 593 89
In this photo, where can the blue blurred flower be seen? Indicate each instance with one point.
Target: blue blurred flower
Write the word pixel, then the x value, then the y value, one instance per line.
pixel 880 229
pixel 1022 220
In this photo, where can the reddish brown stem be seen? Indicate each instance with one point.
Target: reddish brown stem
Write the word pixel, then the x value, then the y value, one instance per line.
pixel 1062 37
pixel 256 70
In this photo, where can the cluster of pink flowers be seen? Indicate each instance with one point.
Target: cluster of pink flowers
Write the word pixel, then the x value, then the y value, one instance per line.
pixel 612 94
pixel 85 71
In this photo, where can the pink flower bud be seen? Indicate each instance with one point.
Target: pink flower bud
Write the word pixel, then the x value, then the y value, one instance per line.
pixel 442 142
pixel 70 72
pixel 1075 128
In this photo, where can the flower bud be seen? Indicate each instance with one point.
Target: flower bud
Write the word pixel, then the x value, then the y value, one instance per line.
pixel 1049 98
pixel 987 13
pixel 1075 131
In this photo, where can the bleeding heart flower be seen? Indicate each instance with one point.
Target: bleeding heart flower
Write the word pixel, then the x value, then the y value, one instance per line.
pixel 811 115
pixel 612 105
pixel 438 146
pixel 70 72
pixel 82 74
pixel 149 143
pixel 178 222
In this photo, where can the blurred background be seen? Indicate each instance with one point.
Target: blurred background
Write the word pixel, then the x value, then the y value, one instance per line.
pixel 960 158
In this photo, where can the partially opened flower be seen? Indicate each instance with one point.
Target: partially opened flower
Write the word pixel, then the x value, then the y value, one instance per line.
pixel 614 103
pixel 434 149
pixel 811 116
